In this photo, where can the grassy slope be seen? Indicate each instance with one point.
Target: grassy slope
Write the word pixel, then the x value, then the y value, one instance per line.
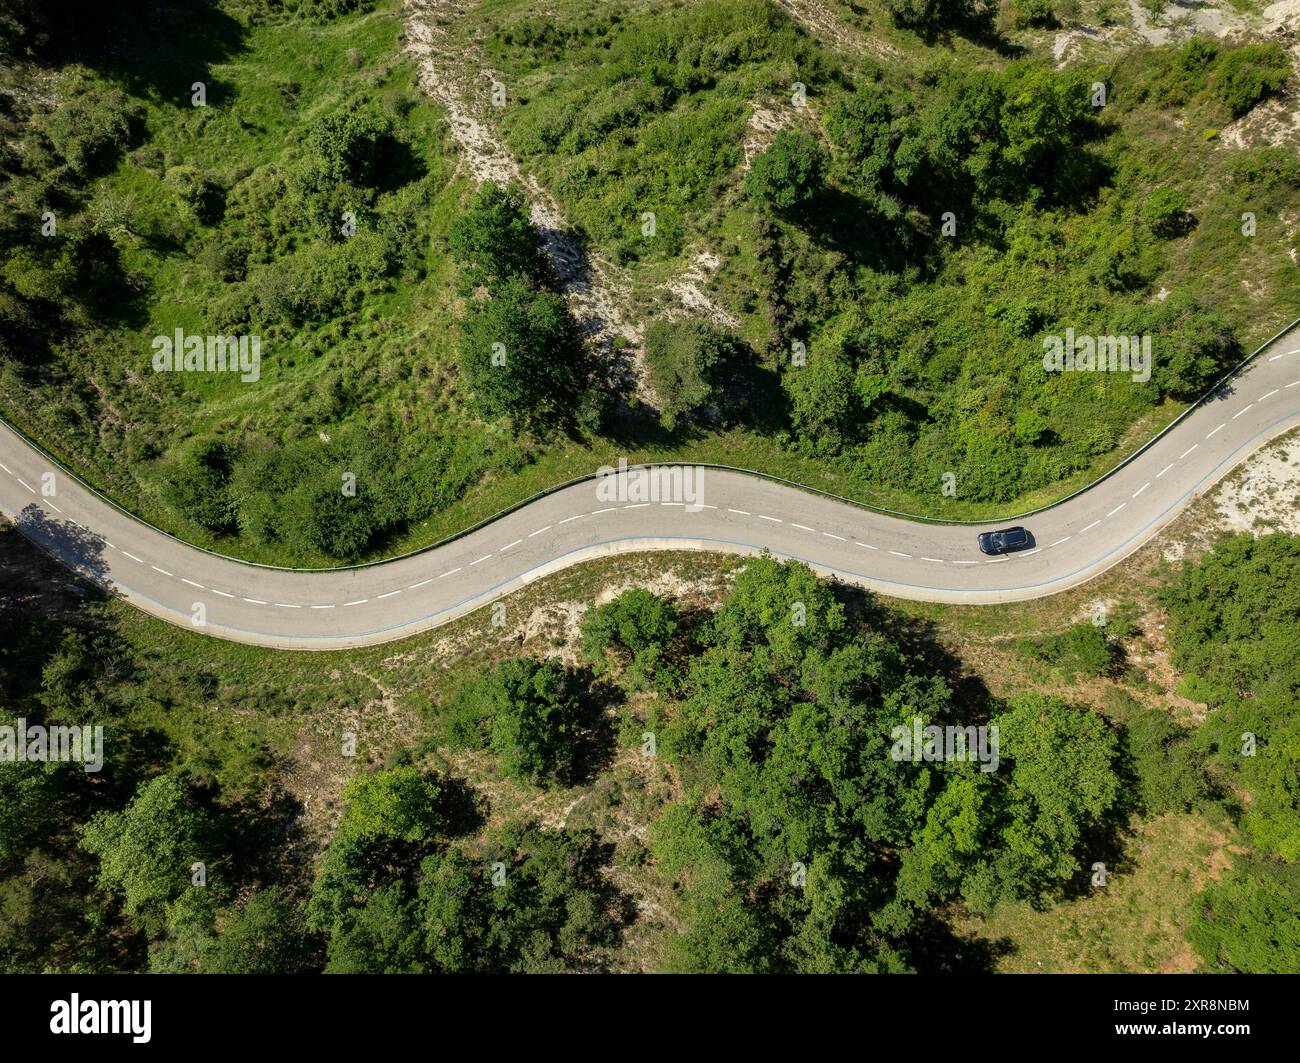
pixel 395 353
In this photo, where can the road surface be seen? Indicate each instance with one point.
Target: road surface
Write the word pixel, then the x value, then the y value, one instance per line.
pixel 1074 541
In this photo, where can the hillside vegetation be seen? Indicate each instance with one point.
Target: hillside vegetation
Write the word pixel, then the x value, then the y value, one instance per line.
pixel 889 235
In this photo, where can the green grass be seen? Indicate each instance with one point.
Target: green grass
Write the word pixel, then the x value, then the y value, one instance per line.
pixel 606 111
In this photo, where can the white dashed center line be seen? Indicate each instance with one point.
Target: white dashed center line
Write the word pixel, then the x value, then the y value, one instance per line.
pixel 510 546
pixel 25 484
pixel 193 584
pixel 222 593
pixel 1242 410
pixel 1141 489
pixel 132 556
pixel 539 531
pixel 745 512
pixel 801 527
pixel 359 601
pixel 422 583
pixel 451 573
pixel 839 537
pixel 162 570
pixel 774 520
pixel 480 560
pixel 1224 425
pixel 381 597
pixel 255 601
pixel 1188 451
pixel 1116 509
pixel 899 553
pixel 1090 526
pixel 1164 470
pixel 1060 541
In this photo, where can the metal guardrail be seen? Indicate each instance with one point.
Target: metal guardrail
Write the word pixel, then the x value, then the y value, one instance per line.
pixel 1210 392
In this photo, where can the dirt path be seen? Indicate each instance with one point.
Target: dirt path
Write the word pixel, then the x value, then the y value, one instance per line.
pixel 599 295
pixel 820 20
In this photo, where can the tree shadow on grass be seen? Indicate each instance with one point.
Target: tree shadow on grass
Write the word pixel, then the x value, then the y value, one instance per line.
pixel 938 949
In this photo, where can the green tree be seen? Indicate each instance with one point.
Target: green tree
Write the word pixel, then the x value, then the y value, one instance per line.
pixel 824 408
pixel 637 623
pixel 1248 921
pixel 1248 74
pixel 536 720
pixel 1165 211
pixel 404 803
pixel 146 851
pixel 686 360
pixel 1062 784
pixel 495 240
pixel 354 145
pixel 788 175
pixel 522 355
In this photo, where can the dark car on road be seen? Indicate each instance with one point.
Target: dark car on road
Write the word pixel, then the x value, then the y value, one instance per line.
pixel 1006 541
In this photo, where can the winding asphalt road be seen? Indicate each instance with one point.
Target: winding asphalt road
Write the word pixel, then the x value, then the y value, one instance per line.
pixel 1075 540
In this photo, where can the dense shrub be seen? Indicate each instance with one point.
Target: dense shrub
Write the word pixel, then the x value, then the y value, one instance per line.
pixel 687 360
pixel 788 174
